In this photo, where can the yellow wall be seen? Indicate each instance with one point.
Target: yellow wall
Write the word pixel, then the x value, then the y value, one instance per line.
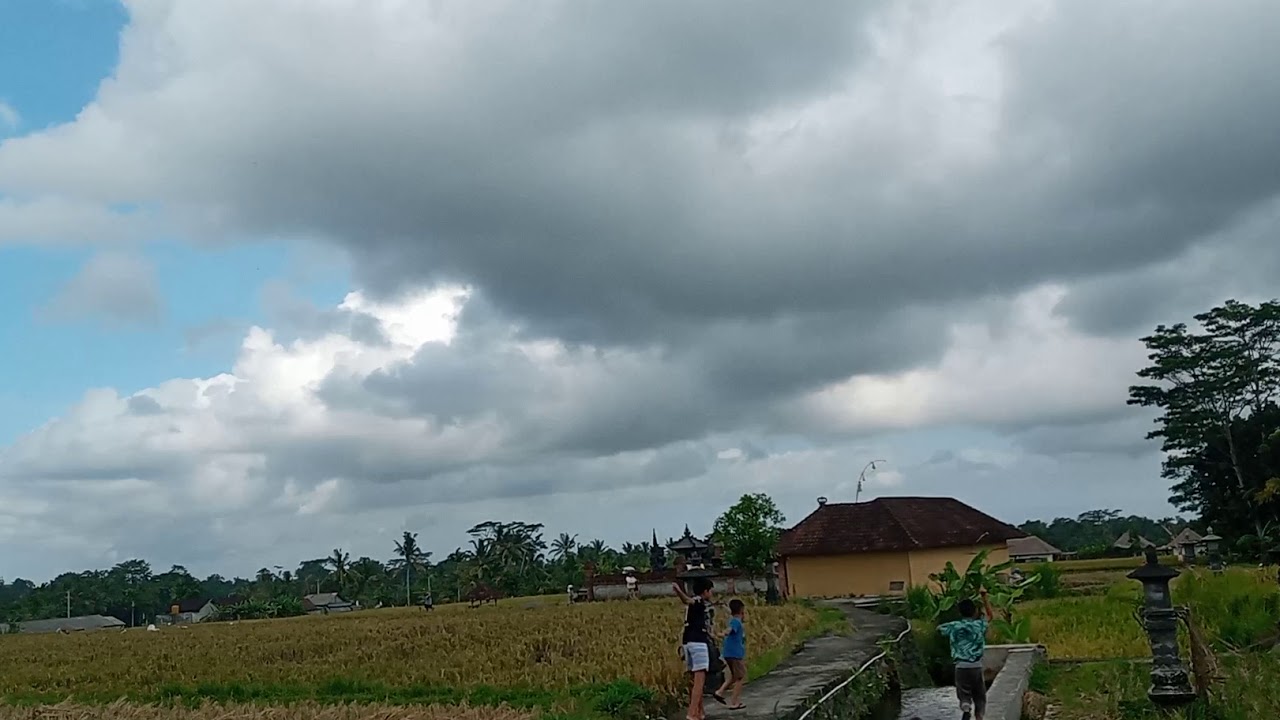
pixel 926 562
pixel 843 575
pixel 871 573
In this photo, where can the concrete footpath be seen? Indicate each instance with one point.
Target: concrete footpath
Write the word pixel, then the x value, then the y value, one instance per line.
pixel 820 664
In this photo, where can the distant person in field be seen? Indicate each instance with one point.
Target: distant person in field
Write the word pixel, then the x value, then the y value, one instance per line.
pixel 735 656
pixel 695 642
pixel 968 638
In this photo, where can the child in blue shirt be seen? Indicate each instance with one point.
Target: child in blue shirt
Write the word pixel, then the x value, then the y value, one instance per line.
pixel 735 656
pixel 968 638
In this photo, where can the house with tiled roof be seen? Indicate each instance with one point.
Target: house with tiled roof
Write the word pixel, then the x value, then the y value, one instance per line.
pixel 886 545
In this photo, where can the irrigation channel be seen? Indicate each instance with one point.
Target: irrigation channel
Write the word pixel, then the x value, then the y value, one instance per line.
pixel 856 676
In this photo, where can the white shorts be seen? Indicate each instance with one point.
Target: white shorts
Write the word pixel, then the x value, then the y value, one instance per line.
pixel 697 658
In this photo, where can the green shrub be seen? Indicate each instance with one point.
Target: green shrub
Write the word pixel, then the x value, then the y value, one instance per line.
pixel 921 604
pixel 935 652
pixel 1047 584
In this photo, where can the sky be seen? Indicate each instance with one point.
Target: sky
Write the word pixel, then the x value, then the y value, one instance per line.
pixel 279 277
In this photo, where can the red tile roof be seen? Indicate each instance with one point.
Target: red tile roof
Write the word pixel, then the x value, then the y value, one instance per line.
pixel 893 524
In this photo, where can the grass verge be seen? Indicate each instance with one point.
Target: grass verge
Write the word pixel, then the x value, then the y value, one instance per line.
pixel 1117 690
pixel 829 621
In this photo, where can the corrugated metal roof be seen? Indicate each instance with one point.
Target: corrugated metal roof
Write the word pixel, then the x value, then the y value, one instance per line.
pixel 326 600
pixel 84 622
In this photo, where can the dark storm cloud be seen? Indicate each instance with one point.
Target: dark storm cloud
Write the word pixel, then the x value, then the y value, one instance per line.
pixel 634 176
pixel 1242 262
pixel 1124 434
pixel 588 188
pixel 711 209
pixel 603 401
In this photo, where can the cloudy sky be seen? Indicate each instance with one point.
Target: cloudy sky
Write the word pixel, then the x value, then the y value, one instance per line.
pixel 283 276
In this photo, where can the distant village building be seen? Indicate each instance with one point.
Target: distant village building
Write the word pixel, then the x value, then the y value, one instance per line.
pixel 192 610
pixel 885 546
pixel 693 557
pixel 1032 549
pixel 326 603
pixel 1187 546
pixel 1126 544
pixel 71 624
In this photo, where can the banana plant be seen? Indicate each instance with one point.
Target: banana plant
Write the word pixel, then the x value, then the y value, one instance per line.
pixel 954 586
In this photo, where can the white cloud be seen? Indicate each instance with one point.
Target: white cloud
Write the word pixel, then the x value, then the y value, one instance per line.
pixel 265 441
pixel 1034 364
pixel 9 118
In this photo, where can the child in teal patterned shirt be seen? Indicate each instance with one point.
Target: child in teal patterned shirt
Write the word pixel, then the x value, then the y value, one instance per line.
pixel 968 638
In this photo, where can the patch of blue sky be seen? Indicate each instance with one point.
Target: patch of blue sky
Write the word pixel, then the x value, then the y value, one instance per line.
pixel 53 55
pixel 47 365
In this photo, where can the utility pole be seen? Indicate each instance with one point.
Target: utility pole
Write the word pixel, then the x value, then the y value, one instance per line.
pixel 68 604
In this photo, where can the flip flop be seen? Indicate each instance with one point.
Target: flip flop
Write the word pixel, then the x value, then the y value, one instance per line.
pixel 739 706
pixel 719 698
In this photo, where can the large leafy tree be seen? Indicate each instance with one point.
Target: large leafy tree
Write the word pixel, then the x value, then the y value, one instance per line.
pixel 1216 386
pixel 747 533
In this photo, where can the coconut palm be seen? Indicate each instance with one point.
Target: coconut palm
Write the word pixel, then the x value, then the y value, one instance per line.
pixel 409 556
pixel 562 548
pixel 340 563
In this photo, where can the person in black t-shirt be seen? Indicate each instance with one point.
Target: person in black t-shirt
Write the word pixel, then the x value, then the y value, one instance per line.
pixel 695 641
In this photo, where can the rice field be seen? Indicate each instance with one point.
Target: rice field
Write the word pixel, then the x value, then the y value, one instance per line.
pixel 217 711
pixel 1118 690
pixel 1238 612
pixel 521 656
pixel 1071 566
pixel 1235 609
pixel 1089 627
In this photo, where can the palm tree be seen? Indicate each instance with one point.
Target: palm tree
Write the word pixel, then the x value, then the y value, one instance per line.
pixel 408 557
pixel 340 563
pixel 563 547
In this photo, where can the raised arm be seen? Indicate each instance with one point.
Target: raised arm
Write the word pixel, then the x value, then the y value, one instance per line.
pixel 680 593
pixel 986 605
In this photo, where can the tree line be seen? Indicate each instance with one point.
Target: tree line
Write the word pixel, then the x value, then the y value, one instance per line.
pixel 511 558
pixel 1092 534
